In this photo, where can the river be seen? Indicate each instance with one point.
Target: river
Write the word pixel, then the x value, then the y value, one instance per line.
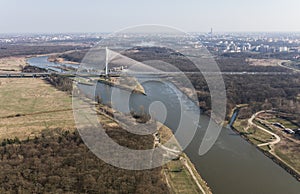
pixel 232 166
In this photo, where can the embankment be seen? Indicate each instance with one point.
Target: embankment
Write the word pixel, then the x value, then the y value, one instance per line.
pixel 269 154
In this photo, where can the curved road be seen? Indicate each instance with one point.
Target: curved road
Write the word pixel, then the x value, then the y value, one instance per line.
pixel 250 122
pixel 287 67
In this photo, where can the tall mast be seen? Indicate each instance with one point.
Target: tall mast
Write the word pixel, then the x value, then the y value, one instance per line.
pixel 106 62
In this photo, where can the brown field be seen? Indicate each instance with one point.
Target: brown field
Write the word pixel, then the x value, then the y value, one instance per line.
pixel 12 64
pixel 265 62
pixel 289 151
pixel 28 106
pixel 255 135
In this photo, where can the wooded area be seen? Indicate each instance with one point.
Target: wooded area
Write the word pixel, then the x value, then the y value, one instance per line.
pixel 60 162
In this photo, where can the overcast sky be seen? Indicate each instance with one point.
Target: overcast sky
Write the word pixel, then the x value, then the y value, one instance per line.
pixel 111 15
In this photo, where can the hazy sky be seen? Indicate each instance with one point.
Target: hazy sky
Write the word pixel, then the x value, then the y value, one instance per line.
pixel 111 15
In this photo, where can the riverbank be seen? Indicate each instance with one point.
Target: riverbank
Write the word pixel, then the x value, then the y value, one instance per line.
pixel 264 141
pixel 125 83
pixel 55 59
pixel 181 170
pixel 270 155
pixel 180 174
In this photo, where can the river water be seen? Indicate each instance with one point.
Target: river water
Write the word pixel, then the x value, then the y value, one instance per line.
pixel 232 166
pixel 42 62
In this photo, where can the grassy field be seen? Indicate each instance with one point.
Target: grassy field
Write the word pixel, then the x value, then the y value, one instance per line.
pixel 12 64
pixel 180 181
pixel 254 134
pixel 284 122
pixel 289 152
pixel 177 174
pixel 265 62
pixel 28 106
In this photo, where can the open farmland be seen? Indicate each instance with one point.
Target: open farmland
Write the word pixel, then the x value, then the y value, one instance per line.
pixel 28 106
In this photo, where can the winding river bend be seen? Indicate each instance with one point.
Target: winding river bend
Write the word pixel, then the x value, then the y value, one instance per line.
pixel 232 166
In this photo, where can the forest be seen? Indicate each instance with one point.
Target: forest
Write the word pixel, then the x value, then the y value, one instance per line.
pixel 22 50
pixel 59 162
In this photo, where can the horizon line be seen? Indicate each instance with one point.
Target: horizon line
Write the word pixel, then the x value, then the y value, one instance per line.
pixel 95 32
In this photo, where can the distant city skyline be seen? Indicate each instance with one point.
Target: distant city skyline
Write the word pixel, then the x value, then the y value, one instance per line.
pixel 61 16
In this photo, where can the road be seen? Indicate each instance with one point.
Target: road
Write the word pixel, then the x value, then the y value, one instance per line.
pixel 291 68
pixel 250 123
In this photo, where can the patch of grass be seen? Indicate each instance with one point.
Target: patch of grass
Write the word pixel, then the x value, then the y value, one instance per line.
pixel 240 125
pixel 28 106
pixel 180 181
pixel 12 64
pixel 284 122
pixel 179 178
pixel 261 125
pixel 289 152
pixel 265 148
pixel 260 134
pixel 254 134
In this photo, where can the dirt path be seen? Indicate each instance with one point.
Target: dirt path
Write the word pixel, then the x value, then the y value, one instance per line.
pixel 291 68
pixel 251 123
pixel 35 113
pixel 193 175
